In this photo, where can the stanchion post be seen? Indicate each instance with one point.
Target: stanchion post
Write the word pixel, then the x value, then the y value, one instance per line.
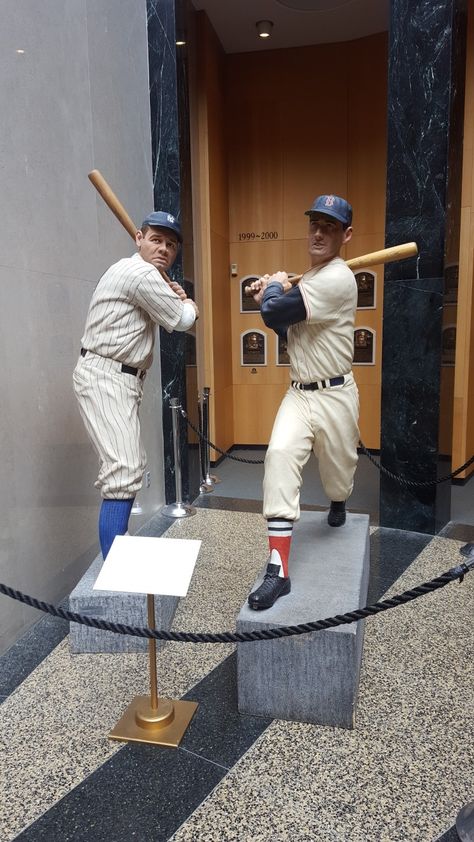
pixel 205 487
pixel 209 478
pixel 177 509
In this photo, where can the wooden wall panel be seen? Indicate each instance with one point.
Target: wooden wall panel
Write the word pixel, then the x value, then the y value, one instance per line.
pixel 256 197
pixel 283 134
pixel 367 118
pixel 290 138
pixel 251 258
pixel 301 150
pixel 463 420
pixel 254 411
pixel 211 230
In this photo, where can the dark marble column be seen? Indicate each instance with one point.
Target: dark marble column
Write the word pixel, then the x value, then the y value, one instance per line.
pixel 172 192
pixel 425 117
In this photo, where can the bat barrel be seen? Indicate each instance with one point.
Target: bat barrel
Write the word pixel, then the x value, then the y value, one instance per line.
pixel 112 201
pixel 388 255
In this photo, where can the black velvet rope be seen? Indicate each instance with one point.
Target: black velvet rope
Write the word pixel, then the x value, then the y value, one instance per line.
pixel 413 483
pixel 396 477
pixel 451 575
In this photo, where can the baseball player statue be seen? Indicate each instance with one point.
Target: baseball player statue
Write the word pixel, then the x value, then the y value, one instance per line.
pixel 131 298
pixel 321 407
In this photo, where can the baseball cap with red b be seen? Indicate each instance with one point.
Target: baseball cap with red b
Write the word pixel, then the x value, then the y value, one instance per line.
pixel 332 206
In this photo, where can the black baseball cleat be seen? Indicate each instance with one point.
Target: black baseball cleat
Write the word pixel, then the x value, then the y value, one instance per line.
pixel 337 514
pixel 272 587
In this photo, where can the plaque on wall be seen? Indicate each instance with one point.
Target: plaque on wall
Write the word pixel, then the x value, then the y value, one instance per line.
pixel 247 304
pixel 364 346
pixel 448 348
pixel 451 275
pixel 366 289
pixel 282 351
pixel 253 348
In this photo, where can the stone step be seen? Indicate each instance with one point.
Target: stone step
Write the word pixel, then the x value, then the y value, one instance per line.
pixel 129 608
pixel 311 677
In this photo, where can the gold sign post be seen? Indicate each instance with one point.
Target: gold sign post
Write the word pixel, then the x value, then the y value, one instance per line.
pixel 149 719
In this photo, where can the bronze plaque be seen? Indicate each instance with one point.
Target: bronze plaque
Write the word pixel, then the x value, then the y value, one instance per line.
pixel 364 346
pixel 253 348
pixel 247 304
pixel 365 289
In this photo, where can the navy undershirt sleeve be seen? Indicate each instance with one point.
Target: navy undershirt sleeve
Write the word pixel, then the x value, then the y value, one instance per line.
pixel 279 309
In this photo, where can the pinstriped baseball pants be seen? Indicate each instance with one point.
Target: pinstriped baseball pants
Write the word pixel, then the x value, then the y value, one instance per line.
pixel 324 421
pixel 109 401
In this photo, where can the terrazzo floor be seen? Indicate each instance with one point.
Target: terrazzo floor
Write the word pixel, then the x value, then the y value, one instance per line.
pixel 402 775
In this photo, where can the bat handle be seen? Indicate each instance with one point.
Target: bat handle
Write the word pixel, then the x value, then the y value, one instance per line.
pixel 294 280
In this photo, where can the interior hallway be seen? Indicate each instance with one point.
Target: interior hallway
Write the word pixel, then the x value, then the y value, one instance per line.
pixel 402 775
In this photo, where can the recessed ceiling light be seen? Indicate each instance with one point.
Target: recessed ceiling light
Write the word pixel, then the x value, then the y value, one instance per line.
pixel 264 28
pixel 20 52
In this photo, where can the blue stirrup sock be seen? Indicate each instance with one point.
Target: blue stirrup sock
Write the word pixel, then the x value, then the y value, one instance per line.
pixel 113 520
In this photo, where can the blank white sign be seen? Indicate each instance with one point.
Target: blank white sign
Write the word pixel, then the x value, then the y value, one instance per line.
pixel 136 564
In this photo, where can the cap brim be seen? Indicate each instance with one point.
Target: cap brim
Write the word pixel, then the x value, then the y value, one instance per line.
pixel 329 215
pixel 164 228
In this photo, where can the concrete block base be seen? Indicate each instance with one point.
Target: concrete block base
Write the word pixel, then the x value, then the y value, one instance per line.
pixel 129 608
pixel 311 677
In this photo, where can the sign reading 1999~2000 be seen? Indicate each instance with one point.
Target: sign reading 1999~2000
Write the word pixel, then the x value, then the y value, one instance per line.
pixel 264 235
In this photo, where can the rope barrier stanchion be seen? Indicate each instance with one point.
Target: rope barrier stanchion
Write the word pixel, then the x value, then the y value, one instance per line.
pixel 209 478
pixel 205 487
pixel 177 509
pixel 452 575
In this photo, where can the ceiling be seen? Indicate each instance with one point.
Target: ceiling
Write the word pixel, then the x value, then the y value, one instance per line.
pixel 296 23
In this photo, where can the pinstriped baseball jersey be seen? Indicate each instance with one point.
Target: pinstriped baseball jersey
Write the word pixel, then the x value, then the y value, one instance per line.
pixel 129 300
pixel 323 345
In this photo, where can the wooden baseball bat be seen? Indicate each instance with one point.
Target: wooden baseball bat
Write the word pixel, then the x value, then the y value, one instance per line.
pixel 388 255
pixel 115 205
pixel 112 202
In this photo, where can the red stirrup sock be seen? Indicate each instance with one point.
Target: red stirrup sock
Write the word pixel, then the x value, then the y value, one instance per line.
pixel 279 540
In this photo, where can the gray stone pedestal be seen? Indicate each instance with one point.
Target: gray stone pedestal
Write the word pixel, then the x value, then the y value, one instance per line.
pixel 129 608
pixel 311 677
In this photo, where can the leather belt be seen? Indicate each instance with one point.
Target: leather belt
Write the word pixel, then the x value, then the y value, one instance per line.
pixel 319 384
pixel 125 369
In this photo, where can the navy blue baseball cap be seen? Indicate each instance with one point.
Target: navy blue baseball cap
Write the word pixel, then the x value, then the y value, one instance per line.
pixel 162 219
pixel 332 206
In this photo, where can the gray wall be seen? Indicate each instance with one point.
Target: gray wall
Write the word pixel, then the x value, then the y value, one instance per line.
pixel 77 99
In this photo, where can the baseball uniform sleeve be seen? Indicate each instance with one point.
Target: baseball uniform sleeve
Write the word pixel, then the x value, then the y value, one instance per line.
pixel 280 309
pixel 157 298
pixel 188 317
